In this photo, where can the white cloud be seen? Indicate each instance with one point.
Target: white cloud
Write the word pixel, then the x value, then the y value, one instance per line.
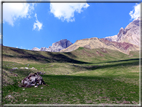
pixel 135 13
pixel 65 11
pixel 13 11
pixel 37 24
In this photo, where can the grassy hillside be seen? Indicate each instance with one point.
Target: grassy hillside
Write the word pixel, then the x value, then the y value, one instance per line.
pixel 84 76
pixel 79 56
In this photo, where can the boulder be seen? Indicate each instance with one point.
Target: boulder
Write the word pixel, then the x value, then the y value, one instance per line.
pixel 33 79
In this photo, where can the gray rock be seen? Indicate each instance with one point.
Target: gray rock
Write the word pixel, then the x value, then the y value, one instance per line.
pixel 44 49
pixel 130 34
pixel 56 47
pixel 33 79
pixel 21 67
pixel 14 68
pixel 26 68
pixel 33 68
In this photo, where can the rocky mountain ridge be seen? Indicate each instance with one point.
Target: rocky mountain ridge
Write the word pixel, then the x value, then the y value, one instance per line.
pixel 56 47
pixel 130 34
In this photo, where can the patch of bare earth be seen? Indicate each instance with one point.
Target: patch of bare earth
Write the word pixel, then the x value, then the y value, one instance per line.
pixel 99 53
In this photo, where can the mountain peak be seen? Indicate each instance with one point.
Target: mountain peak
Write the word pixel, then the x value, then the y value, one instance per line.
pixel 56 47
pixel 131 34
pixel 36 49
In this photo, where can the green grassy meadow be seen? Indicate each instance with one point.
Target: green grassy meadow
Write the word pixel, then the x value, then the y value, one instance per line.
pixel 84 76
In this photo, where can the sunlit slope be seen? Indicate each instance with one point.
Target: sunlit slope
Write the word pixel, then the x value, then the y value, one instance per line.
pixel 94 43
pixel 90 43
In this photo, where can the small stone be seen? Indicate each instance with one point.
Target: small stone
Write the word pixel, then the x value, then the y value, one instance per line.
pixel 25 99
pixel 41 87
pixel 21 67
pixel 14 68
pixel 23 88
pixel 33 68
pixel 26 68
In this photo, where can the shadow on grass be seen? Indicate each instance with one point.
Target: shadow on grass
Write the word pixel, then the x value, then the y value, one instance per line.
pixel 129 62
pixel 134 59
pixel 62 58
pixel 95 83
pixel 70 54
pixel 36 56
pixel 73 77
pixel 79 86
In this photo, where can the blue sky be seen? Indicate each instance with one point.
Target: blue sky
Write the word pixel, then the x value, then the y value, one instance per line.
pixel 41 24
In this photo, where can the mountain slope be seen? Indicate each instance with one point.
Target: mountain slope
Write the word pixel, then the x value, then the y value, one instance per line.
pixel 90 43
pixel 93 43
pixel 56 47
pixel 122 46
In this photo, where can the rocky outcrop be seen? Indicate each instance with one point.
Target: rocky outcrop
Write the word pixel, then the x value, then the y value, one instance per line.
pixel 56 47
pixel 130 34
pixel 62 44
pixel 111 38
pixel 33 79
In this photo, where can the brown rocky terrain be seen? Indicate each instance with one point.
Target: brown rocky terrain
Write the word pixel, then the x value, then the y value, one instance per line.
pixel 122 46
pixel 93 43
